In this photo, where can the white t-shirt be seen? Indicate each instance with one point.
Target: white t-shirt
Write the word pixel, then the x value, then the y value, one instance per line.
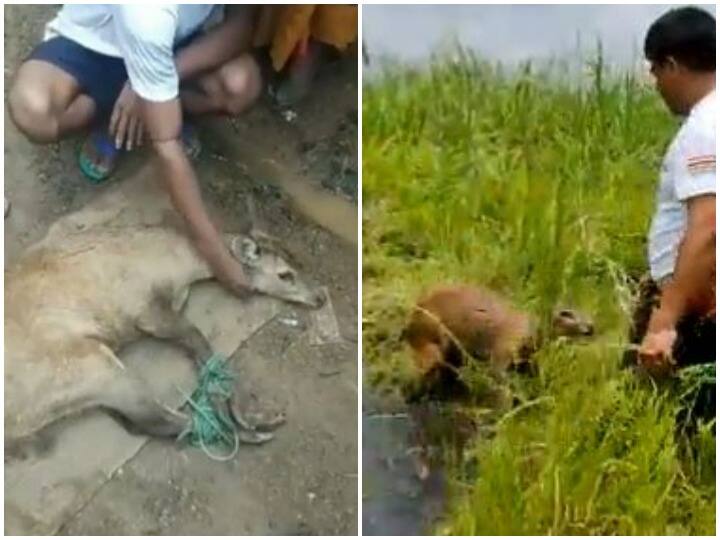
pixel 688 170
pixel 142 35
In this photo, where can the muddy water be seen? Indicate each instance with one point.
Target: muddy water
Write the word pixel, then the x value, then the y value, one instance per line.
pixel 330 211
pixel 403 443
pixel 248 154
pixel 395 500
pixel 407 452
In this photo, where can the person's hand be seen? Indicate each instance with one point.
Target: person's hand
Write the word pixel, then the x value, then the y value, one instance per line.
pixel 655 352
pixel 126 126
pixel 230 273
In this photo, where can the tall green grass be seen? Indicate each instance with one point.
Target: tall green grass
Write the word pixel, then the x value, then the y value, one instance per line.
pixel 540 186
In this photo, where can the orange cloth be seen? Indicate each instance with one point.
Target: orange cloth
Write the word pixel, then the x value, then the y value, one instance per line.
pixel 286 28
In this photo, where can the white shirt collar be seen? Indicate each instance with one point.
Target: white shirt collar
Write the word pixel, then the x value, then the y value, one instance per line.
pixel 703 103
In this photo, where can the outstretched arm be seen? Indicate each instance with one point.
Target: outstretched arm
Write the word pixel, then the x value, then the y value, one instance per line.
pixel 163 122
pixel 691 285
pixel 151 100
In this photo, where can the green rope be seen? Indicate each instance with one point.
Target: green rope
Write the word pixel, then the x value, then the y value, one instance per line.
pixel 210 426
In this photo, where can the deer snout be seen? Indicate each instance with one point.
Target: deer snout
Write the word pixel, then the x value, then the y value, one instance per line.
pixel 318 298
pixel 587 329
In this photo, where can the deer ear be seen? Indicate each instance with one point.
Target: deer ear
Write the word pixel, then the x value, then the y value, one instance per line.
pixel 261 237
pixel 245 250
pixel 248 220
pixel 273 244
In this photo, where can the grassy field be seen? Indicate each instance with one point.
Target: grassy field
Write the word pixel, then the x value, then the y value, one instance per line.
pixel 542 188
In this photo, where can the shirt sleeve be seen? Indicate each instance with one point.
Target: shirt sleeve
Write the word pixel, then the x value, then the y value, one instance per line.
pixel 695 169
pixel 145 36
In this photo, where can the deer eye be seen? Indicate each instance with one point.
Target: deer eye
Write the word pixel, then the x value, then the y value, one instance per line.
pixel 287 276
pixel 567 314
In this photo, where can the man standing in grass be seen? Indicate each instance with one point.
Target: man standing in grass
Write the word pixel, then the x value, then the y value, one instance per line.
pixel 680 47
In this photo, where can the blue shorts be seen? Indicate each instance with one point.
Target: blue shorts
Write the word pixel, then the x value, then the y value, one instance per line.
pixel 101 77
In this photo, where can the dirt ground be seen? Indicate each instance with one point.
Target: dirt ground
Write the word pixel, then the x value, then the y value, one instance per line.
pixel 305 481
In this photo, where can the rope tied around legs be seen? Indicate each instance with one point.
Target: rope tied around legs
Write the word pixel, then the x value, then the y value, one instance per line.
pixel 210 426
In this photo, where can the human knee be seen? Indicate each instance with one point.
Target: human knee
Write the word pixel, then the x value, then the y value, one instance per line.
pixel 242 84
pixel 31 111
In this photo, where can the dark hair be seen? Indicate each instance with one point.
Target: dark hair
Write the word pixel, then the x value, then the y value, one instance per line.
pixel 687 34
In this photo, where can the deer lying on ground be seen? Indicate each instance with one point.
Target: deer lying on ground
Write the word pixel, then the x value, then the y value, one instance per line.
pixel 71 303
pixel 452 320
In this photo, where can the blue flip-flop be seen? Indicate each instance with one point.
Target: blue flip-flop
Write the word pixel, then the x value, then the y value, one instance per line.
pixel 104 146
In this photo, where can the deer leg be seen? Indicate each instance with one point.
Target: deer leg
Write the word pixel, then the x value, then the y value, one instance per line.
pixel 95 378
pixel 133 400
pixel 73 388
pixel 254 422
pixel 131 397
pixel 160 321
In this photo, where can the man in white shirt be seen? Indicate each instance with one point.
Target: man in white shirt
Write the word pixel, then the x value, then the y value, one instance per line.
pixel 131 71
pixel 681 249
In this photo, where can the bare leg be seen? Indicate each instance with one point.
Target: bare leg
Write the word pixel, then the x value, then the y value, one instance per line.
pixel 78 116
pixel 45 103
pixel 301 72
pixel 230 89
